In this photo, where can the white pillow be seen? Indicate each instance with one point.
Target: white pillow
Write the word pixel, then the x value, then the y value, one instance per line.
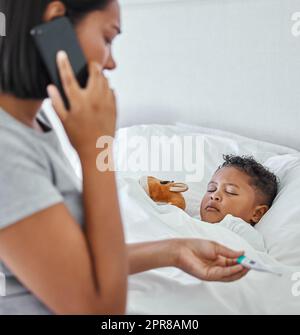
pixel 214 148
pixel 280 226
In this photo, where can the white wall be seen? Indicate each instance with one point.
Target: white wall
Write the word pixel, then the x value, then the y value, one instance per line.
pixel 229 64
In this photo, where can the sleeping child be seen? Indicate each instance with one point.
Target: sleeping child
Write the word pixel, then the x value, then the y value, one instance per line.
pixel 239 193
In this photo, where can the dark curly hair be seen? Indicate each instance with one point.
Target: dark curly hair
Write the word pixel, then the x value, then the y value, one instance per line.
pixel 262 179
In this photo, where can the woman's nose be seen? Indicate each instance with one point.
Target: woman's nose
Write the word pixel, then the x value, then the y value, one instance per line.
pixel 111 64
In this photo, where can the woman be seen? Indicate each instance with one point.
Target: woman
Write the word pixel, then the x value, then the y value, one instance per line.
pixel 62 244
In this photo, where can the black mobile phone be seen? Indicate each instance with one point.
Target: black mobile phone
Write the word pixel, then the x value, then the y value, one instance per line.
pixel 54 36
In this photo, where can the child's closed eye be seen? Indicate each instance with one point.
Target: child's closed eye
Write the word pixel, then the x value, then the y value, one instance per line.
pixel 231 193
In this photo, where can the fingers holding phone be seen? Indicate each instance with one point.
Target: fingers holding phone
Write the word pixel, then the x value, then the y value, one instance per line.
pixel 81 98
pixel 67 76
pixel 92 110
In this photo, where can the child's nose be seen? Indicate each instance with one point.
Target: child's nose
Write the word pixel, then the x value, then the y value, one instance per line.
pixel 215 196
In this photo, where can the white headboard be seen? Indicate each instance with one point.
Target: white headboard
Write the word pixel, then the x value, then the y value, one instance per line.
pixel 227 64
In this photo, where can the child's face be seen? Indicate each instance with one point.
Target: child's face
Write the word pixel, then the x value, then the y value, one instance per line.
pixel 230 192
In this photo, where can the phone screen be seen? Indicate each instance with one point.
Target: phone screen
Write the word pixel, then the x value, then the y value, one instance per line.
pixel 54 36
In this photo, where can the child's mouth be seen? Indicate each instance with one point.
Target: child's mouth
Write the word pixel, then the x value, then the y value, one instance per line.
pixel 211 209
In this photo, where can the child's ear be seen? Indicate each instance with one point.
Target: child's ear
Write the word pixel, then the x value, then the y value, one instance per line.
pixel 258 213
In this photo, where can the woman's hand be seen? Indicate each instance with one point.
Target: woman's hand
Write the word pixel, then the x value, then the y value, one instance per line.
pixel 208 260
pixel 92 111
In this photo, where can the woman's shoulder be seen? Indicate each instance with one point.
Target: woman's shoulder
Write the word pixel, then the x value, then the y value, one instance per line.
pixel 16 147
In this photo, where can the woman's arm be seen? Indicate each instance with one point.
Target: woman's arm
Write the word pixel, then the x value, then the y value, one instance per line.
pixel 150 255
pixel 70 270
pixel 202 259
pixel 50 255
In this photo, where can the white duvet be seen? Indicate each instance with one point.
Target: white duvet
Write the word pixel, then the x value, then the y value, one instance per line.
pixel 170 291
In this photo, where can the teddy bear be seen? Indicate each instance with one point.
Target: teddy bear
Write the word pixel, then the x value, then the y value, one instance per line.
pixel 164 192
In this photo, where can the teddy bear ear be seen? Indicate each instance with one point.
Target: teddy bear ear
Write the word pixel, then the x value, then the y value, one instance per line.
pixel 178 187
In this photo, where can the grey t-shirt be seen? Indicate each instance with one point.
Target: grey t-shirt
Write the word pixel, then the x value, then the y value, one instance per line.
pixel 34 175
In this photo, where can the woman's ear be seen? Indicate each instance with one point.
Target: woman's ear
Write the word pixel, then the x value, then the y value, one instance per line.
pixel 258 213
pixel 54 10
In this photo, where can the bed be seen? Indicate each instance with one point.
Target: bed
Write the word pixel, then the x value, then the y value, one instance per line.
pixel 225 71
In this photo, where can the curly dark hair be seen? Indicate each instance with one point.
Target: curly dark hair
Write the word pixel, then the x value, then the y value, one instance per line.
pixel 262 179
